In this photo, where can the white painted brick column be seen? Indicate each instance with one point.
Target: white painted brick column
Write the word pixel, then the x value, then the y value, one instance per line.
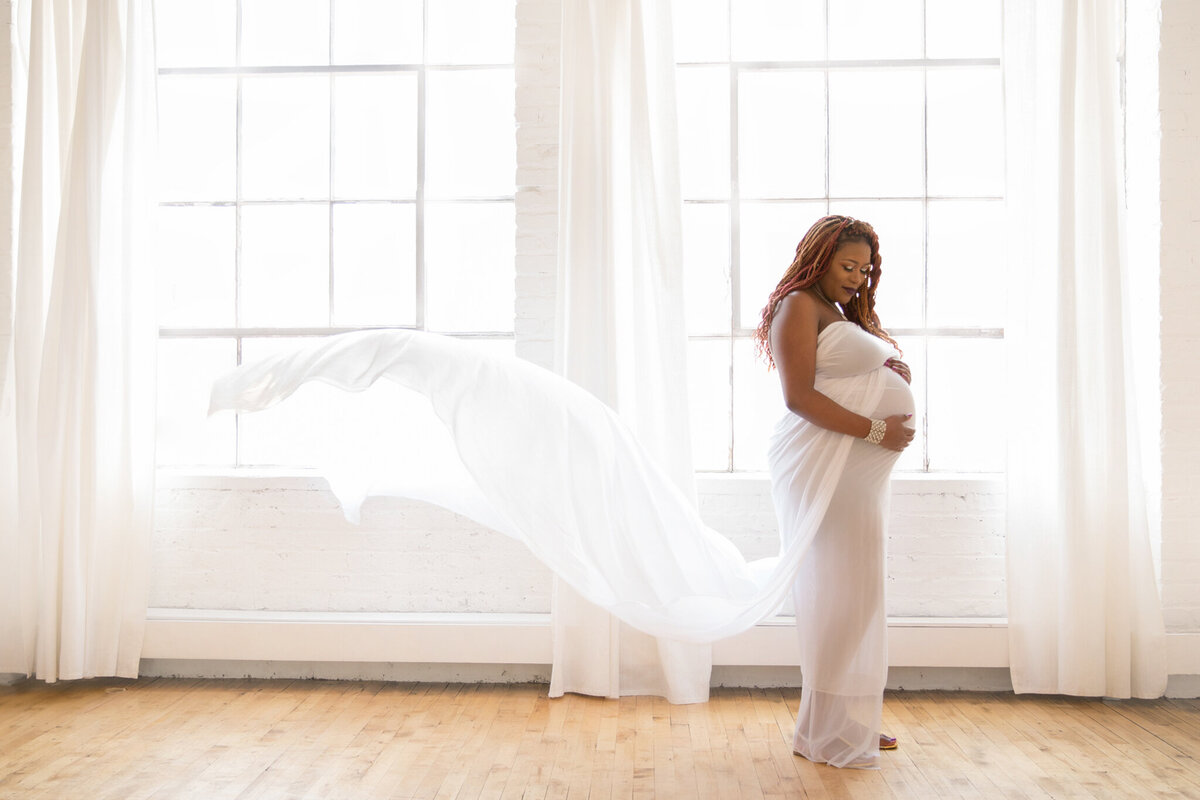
pixel 7 188
pixel 537 83
pixel 1179 107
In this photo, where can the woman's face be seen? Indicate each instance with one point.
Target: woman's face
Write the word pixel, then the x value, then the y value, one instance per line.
pixel 849 271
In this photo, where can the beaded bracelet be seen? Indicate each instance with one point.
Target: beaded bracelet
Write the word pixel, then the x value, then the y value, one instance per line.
pixel 878 429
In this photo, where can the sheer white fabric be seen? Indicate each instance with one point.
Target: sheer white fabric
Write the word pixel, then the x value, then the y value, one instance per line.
pixel 535 457
pixel 1084 613
pixel 839 588
pixel 620 329
pixel 77 409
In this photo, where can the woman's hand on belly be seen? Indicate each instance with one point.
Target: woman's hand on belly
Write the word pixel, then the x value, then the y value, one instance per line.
pixel 900 368
pixel 898 435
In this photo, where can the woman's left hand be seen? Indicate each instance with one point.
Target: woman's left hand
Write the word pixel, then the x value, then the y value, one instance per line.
pixel 900 368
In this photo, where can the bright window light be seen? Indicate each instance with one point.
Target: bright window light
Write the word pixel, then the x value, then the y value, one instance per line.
pixel 319 161
pixel 886 110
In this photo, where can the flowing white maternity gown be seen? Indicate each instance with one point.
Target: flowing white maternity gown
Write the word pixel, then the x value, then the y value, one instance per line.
pixel 838 589
pixel 535 457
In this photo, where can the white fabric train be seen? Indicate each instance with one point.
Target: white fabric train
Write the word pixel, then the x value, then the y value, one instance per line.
pixel 538 459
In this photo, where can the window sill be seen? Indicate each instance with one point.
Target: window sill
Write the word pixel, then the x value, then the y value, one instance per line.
pixel 739 483
pixel 707 483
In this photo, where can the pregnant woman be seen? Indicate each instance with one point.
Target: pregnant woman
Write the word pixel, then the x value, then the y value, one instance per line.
pixel 531 455
pixel 842 377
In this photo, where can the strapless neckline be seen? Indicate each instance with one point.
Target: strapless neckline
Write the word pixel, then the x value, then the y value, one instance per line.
pixel 821 332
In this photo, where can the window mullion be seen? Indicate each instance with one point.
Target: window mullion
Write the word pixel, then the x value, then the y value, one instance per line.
pixel 237 221
pixel 419 233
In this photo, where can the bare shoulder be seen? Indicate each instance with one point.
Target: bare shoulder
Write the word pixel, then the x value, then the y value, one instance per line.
pixel 794 328
pixel 798 308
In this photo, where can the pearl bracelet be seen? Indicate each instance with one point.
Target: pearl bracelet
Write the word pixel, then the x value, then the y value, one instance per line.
pixel 878 429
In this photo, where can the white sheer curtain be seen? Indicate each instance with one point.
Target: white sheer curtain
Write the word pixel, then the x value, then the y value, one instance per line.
pixel 77 410
pixel 620 330
pixel 1084 613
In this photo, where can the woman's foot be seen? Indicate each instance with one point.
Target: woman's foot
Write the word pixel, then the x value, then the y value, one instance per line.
pixel 887 742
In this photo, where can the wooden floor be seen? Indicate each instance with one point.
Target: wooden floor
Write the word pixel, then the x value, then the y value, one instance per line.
pixel 161 738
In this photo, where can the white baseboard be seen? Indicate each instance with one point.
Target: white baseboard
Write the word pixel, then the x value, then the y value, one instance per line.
pixel 347 636
pixel 203 634
pixel 345 671
pixel 174 634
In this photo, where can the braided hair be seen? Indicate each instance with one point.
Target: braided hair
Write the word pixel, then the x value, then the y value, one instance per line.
pixel 814 255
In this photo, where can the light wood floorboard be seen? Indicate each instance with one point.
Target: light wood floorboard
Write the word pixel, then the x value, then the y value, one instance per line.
pixel 164 739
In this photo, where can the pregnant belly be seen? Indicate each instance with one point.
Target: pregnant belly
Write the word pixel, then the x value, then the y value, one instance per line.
pixel 897 396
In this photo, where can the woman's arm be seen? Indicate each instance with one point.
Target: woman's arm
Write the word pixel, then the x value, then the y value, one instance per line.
pixel 794 348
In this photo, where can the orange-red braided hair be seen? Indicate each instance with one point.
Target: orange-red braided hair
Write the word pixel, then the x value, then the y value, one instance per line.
pixel 814 255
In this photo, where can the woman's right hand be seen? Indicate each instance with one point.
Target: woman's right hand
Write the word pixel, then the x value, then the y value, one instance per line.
pixel 898 435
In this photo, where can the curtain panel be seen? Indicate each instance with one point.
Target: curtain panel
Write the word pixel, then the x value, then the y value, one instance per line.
pixel 620 328
pixel 77 410
pixel 1084 611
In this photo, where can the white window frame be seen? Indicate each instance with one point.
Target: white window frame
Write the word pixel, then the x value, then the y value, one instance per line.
pixel 743 330
pixel 237 332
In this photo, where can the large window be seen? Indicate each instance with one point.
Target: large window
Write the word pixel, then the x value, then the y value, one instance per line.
pixel 326 165
pixel 335 164
pixel 886 110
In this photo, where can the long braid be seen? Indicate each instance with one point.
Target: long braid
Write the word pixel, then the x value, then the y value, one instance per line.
pixel 814 255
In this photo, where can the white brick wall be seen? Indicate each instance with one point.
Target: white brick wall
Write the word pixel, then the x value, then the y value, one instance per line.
pixel 281 544
pixel 1179 108
pixel 537 75
pixel 284 545
pixel 945 540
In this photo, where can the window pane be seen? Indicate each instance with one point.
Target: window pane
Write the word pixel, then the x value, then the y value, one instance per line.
pixel 195 249
pixel 702 31
pixel 876 138
pixel 708 403
pixel 875 29
pixel 706 285
pixel 285 32
pixel 757 407
pixel 469 258
pixel 375 136
pixel 955 29
pixel 376 31
pixel 470 147
pixel 355 426
pixel 471 32
pixel 769 235
pixel 284 434
pixel 191 34
pixel 781 134
pixel 778 30
pixel 966 133
pixel 285 137
pixel 703 94
pixel 964 262
pixel 374 262
pixel 197 130
pixel 912 351
pixel 901 229
pixel 186 371
pixel 966 389
pixel 285 265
